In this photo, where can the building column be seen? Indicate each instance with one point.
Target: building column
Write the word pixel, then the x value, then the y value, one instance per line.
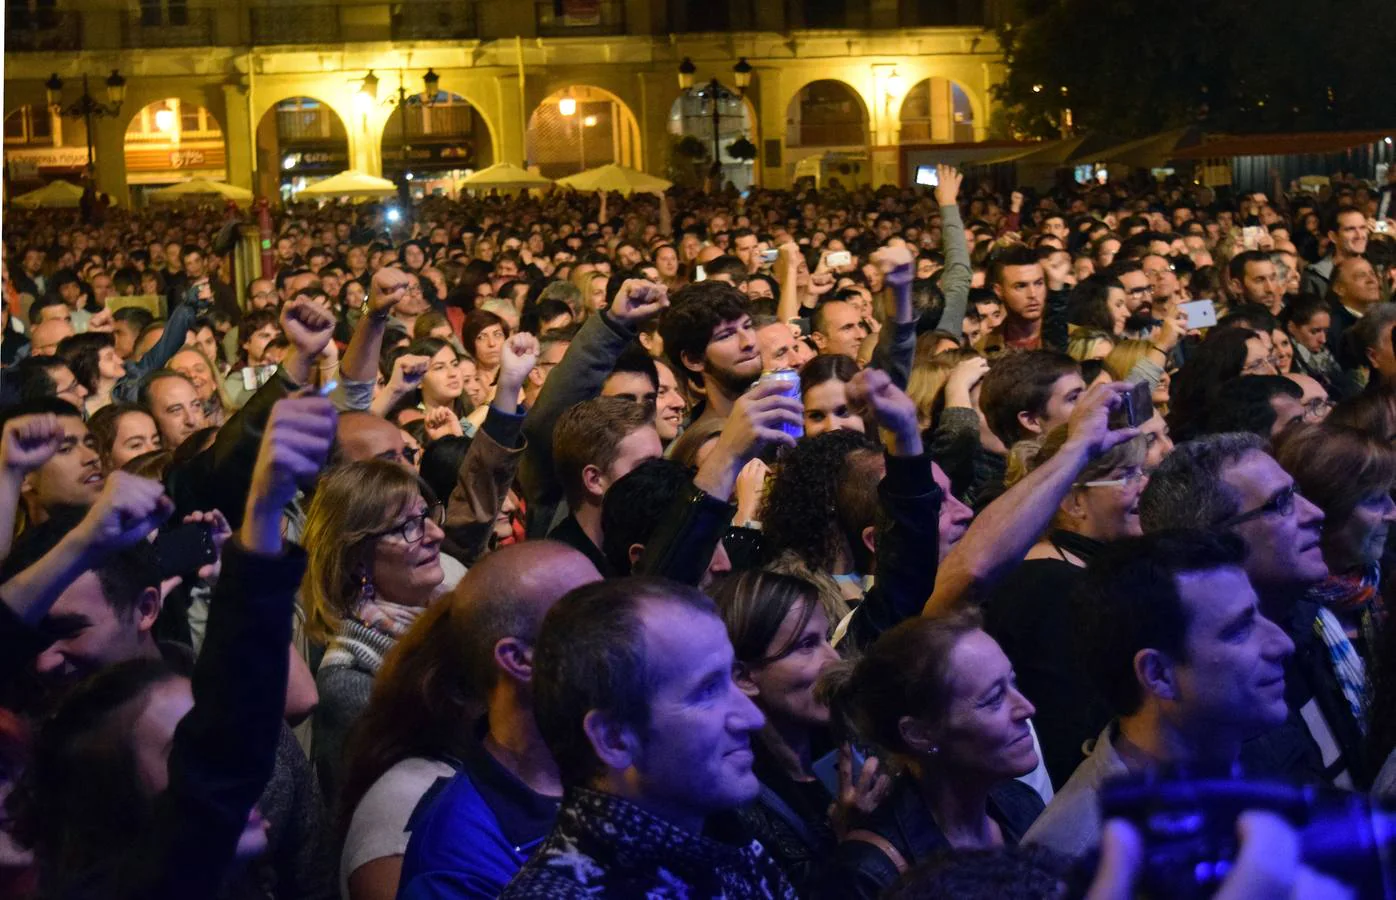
pixel 771 111
pixel 109 145
pixel 509 120
pixel 365 133
pixel 239 143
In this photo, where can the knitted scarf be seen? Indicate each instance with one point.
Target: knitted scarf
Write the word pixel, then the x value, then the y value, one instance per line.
pixel 366 637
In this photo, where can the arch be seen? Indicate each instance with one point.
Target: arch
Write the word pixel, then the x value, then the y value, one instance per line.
pixel 299 140
pixel 827 113
pixel 172 140
pixel 690 116
pixel 446 139
pixel 600 129
pixel 937 110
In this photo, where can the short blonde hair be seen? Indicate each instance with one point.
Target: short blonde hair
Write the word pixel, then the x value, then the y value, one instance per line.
pixel 352 503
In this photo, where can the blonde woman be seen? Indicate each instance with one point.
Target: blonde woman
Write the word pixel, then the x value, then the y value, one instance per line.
pixel 1131 361
pixel 373 537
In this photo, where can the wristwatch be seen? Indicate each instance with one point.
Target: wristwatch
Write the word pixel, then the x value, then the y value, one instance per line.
pixel 382 316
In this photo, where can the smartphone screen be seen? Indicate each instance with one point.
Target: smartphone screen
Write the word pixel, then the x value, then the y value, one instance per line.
pixel 184 550
pixel 1200 313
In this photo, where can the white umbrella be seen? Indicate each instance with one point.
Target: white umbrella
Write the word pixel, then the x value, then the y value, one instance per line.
pixel 55 194
pixel 350 183
pixel 202 187
pixel 615 178
pixel 505 176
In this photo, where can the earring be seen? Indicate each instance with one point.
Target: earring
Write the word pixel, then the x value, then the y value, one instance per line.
pixel 366 592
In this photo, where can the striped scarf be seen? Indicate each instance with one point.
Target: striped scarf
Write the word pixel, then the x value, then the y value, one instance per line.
pixel 1350 609
pixel 366 638
pixel 1347 665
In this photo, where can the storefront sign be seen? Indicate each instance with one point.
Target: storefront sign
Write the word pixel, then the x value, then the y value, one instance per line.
pixel 26 163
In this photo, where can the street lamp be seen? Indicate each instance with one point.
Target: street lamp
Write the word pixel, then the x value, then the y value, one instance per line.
pixel 714 93
pixel 87 107
pixel 431 83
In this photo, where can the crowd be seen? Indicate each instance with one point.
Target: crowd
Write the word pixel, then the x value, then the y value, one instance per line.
pixel 817 543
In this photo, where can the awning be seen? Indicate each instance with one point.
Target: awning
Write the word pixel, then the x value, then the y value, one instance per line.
pixel 1297 144
pixel 1144 153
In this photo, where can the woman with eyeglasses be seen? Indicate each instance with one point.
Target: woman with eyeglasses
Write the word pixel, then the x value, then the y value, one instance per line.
pixel 1348 474
pixel 1031 616
pixel 373 538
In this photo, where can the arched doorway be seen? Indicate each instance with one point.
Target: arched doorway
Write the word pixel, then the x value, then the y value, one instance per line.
pixel 581 127
pixel 300 141
pixel 691 135
pixel 937 110
pixel 446 139
pixel 826 133
pixel 170 141
pixel 40 147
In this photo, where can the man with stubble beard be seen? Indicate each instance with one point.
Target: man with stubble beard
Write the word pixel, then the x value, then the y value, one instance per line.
pixel 708 334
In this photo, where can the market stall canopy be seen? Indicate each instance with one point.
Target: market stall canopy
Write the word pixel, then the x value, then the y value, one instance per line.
pixel 349 183
pixel 1296 144
pixel 63 194
pixel 504 176
pixel 1145 153
pixel 202 187
pixel 614 178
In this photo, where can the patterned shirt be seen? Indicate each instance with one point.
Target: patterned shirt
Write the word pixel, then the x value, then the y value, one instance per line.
pixel 603 846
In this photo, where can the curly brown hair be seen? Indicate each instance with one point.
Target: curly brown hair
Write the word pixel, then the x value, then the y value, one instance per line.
pixel 813 484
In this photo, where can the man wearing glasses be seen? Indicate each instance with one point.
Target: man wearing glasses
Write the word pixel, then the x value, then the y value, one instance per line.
pixel 1228 482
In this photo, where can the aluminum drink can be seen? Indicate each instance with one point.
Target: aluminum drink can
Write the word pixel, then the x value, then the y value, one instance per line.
pixel 789 380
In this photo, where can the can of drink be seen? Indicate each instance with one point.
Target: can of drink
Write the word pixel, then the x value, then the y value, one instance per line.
pixel 789 380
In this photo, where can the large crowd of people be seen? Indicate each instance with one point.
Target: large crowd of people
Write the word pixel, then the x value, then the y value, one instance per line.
pixel 817 543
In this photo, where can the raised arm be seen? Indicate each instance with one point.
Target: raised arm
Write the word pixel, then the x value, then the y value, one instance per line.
pixel 225 748
pixel 957 275
pixel 896 348
pixel 1003 533
pixel 487 471
pixel 200 298
pixel 578 377
pixel 360 363
pixel 691 529
pixel 26 444
pixel 787 273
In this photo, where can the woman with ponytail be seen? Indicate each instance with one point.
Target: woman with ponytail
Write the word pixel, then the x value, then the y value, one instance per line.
pixel 936 697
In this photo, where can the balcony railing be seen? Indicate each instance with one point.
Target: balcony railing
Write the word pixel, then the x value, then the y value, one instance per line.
pixel 563 17
pixel 42 30
pixel 295 24
pixel 447 20
pixel 174 27
pixel 846 134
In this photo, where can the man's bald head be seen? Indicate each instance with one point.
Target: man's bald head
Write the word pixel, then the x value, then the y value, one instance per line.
pixel 44 337
pixel 363 436
pixel 708 254
pixel 505 596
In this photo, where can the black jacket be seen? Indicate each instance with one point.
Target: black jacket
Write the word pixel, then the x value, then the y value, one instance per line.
pixel 908 542
pixel 861 871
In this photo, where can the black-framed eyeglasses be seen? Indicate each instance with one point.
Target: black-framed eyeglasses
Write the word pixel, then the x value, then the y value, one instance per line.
pixel 1282 504
pixel 1317 408
pixel 414 528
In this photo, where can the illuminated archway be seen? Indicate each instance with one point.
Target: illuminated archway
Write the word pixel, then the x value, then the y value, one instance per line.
pixel 936 110
pixel 690 126
pixel 168 141
pixel 581 127
pixel 826 114
pixel 446 140
pixel 300 141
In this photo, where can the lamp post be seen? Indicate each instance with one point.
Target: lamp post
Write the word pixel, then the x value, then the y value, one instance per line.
pixel 87 107
pixel 715 92
pixel 431 84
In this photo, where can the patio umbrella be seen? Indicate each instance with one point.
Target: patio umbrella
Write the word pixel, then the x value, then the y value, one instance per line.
pixel 350 183
pixel 505 176
pixel 62 194
pixel 614 178
pixel 202 187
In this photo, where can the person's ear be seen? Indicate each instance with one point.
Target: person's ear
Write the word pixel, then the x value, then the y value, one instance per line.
pixel 1154 671
pixel 869 536
pixel 918 735
pixel 998 292
pixel 1029 421
pixel 819 339
pixel 594 480
pixel 635 552
pixel 616 745
pixel 741 674
pixel 693 365
pixel 1073 505
pixel 515 658
pixel 147 609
